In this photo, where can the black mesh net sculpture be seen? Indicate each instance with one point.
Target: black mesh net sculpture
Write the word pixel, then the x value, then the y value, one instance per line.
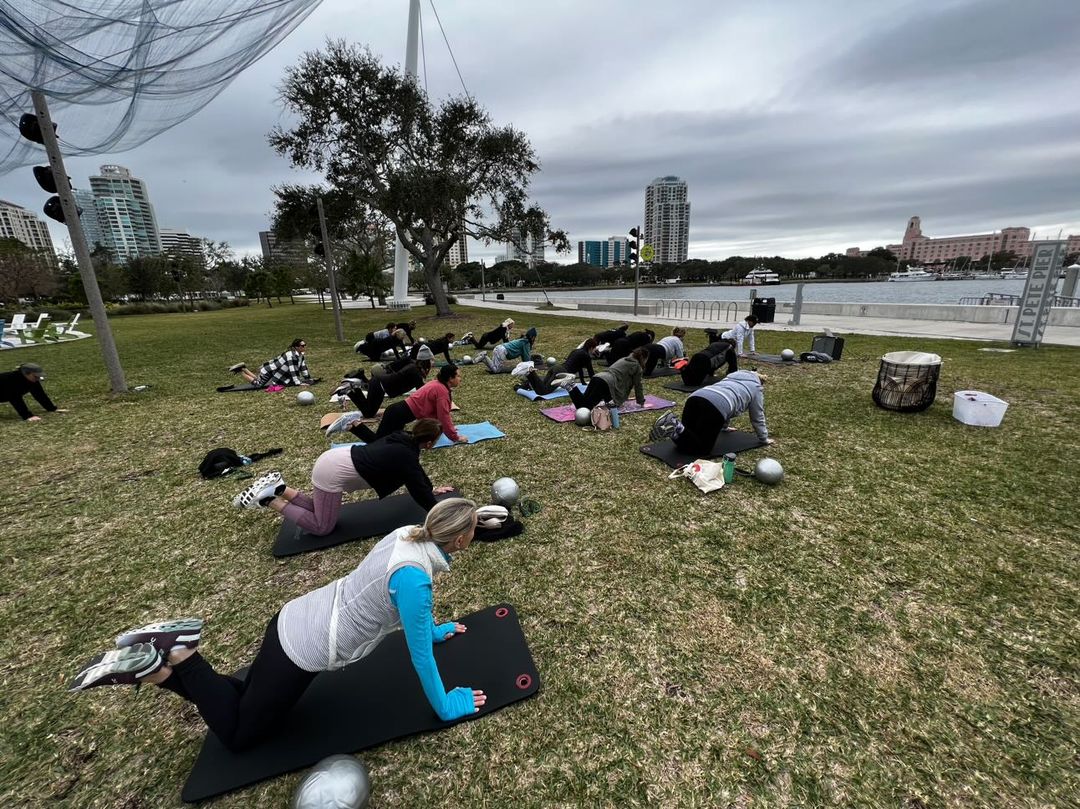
pixel 133 67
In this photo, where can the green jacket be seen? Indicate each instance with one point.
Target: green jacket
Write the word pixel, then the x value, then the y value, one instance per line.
pixel 620 376
pixel 520 347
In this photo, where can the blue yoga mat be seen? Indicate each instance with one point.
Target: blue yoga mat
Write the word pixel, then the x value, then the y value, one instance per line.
pixel 483 431
pixel 532 395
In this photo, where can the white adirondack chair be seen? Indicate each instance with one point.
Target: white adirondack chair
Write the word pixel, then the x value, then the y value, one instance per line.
pixel 18 323
pixel 64 328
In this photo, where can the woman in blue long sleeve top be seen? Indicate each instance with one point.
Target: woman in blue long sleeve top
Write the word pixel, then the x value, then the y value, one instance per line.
pixel 323 630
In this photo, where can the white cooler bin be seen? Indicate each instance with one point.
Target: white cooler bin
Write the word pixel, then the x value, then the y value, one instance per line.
pixel 977 408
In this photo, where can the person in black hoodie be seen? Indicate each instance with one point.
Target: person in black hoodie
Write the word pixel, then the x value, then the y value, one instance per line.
pixel 500 334
pixel 624 346
pixel 14 385
pixel 441 345
pixel 412 375
pixel 384 465
pixel 611 335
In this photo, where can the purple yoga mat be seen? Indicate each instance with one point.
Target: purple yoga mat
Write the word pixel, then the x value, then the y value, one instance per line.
pixel 566 412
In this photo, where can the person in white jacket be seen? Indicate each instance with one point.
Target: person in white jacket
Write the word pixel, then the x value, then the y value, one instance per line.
pixel 743 331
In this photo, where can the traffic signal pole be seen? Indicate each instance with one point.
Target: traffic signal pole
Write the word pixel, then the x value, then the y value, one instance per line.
pixel 78 244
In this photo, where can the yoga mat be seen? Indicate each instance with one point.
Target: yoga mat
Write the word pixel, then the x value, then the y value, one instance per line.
pixel 248 386
pixel 659 371
pixel 684 388
pixel 774 359
pixel 483 431
pixel 532 395
pixel 361 520
pixel 564 413
pixel 376 700
pixel 736 442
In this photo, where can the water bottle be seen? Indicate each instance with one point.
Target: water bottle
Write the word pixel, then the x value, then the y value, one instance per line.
pixel 729 467
pixel 614 410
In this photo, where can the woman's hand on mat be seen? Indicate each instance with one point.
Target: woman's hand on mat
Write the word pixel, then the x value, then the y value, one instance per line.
pixel 442 489
pixel 478 699
pixel 34 418
pixel 463 440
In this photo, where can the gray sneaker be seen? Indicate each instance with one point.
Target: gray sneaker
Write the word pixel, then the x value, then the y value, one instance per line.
pixel 127 666
pixel 666 426
pixel 261 492
pixel 235 369
pixel 344 421
pixel 182 633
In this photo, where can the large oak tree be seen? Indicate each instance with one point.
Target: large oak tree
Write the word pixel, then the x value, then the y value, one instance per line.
pixel 436 172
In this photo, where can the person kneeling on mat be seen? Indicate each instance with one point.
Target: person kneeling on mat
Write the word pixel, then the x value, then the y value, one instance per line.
pixel 519 349
pixel 384 465
pixel 611 335
pixel 744 330
pixel 709 411
pixel 432 401
pixel 613 384
pixel 707 361
pixel 326 629
pixel 500 334
pixel 288 368
pixel 578 361
pixel 625 345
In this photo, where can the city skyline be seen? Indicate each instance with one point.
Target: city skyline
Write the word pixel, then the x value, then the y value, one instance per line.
pixel 809 131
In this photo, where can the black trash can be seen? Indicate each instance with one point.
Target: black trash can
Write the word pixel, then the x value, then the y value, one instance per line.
pixel 500 297
pixel 764 309
pixel 907 381
pixel 833 346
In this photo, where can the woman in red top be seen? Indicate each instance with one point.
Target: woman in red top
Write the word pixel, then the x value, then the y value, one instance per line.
pixel 432 401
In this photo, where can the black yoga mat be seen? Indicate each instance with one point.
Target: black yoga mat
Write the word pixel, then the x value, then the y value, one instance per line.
pixel 773 359
pixel 659 371
pixel 682 386
pixel 362 520
pixel 248 386
pixel 374 701
pixel 736 441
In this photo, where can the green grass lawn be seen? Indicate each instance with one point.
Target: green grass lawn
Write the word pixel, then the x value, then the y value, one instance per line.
pixel 893 626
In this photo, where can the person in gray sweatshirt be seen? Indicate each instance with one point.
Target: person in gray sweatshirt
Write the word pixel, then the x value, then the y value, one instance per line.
pixel 613 384
pixel 709 410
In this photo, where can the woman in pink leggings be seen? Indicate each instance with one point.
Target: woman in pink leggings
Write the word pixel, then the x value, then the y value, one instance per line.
pixel 384 465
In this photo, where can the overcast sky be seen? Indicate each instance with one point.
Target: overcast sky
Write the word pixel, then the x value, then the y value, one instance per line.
pixel 801 126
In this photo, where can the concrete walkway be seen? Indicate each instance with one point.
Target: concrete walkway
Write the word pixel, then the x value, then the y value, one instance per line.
pixel 938 329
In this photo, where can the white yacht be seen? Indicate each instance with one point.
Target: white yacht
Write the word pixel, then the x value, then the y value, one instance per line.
pixel 1014 274
pixel 912 274
pixel 761 276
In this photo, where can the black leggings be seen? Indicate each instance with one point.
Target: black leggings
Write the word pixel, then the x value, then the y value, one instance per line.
pixel 657 356
pixel 369 404
pixel 493 337
pixel 702 424
pixel 597 392
pixel 397 417
pixel 243 712
pixel 704 363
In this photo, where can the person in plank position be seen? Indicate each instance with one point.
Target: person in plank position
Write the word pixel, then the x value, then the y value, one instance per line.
pixel 384 465
pixel 500 334
pixel 743 331
pixel 665 350
pixel 326 629
pixel 440 345
pixel 613 384
pixel 709 411
pixel 374 348
pixel 14 385
pixel 288 368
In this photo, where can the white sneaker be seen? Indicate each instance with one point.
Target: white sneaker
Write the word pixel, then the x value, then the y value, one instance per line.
pixel 261 492
pixel 565 381
pixel 479 356
pixel 522 368
pixel 341 424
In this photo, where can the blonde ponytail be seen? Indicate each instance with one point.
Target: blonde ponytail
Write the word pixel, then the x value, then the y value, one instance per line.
pixel 447 519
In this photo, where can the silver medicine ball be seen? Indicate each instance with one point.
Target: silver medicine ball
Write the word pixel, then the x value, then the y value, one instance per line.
pixel 505 492
pixel 551 360
pixel 769 471
pixel 582 417
pixel 336 782
pixel 787 355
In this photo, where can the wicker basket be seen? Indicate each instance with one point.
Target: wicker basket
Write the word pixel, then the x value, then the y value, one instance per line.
pixel 907 381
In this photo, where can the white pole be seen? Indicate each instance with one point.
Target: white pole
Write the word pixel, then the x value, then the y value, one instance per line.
pixel 401 255
pixel 78 244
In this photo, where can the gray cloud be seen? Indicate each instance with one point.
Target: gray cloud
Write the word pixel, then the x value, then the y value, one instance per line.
pixel 799 127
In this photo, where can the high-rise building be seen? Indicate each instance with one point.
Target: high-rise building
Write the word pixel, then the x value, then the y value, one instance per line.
pixel 88 216
pixel 459 252
pixel 18 223
pixel 608 253
pixel 526 249
pixel 126 217
pixel 292 251
pixel 667 219
pixel 178 243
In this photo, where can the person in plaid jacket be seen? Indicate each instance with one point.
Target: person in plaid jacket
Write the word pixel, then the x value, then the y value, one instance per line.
pixel 288 368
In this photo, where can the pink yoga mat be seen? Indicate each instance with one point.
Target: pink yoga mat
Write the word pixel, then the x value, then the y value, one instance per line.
pixel 566 412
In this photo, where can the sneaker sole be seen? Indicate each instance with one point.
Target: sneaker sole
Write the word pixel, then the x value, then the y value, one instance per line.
pixel 165 636
pixel 118 667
